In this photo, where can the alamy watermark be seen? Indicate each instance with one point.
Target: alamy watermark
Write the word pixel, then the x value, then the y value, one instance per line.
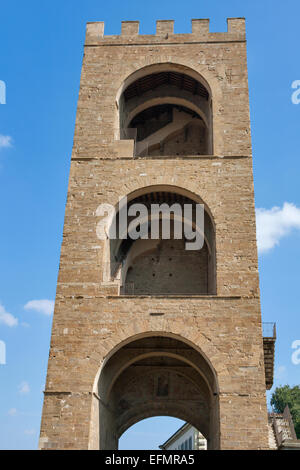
pixel 2 92
pixel 137 222
pixel 296 353
pixel 2 353
pixel 296 93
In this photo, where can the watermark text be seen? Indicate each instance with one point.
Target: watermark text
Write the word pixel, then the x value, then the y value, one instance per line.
pixel 296 353
pixel 296 93
pixel 138 221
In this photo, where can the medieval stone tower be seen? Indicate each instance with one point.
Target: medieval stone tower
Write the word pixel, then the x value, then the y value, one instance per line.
pixel 145 327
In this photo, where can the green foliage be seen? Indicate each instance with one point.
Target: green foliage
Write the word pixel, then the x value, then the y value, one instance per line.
pixel 288 396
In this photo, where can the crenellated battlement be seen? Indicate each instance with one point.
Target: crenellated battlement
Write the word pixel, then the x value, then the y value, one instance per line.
pixel 165 33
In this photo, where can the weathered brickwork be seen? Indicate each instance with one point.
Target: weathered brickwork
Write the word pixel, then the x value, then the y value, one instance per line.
pixel 92 321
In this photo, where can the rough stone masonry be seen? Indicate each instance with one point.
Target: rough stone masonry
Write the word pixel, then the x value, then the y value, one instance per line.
pixel 140 330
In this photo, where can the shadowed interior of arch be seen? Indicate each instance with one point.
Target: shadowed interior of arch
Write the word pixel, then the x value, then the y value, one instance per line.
pixel 167 113
pixel 165 266
pixel 156 376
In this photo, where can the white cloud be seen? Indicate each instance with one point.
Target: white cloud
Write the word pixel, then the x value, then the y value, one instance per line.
pixel 7 318
pixel 12 412
pixel 45 307
pixel 24 388
pixel 5 141
pixel 274 224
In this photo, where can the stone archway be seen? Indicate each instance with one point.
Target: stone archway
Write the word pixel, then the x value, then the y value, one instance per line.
pixel 166 264
pixel 155 376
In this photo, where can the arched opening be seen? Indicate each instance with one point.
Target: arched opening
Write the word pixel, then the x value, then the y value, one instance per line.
pixel 167 110
pixel 165 265
pixel 156 376
pixel 162 432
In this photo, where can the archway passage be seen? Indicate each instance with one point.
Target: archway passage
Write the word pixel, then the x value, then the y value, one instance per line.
pixel 156 376
pixel 167 113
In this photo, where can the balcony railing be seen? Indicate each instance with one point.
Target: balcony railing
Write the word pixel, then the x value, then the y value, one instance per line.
pixel 269 338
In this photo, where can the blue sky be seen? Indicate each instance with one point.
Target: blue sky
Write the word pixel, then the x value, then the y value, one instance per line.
pixel 41 47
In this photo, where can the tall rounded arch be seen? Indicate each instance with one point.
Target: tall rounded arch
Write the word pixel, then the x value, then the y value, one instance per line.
pixel 154 374
pixel 169 266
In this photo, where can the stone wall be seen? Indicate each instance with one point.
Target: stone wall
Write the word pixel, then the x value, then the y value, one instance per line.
pixel 170 269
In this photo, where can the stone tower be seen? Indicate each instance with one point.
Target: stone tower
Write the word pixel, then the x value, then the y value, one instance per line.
pixel 145 327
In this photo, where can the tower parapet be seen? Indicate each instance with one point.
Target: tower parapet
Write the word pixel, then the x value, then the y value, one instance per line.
pixel 165 31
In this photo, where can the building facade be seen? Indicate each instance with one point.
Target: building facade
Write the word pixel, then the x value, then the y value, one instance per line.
pixel 145 327
pixel 185 438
